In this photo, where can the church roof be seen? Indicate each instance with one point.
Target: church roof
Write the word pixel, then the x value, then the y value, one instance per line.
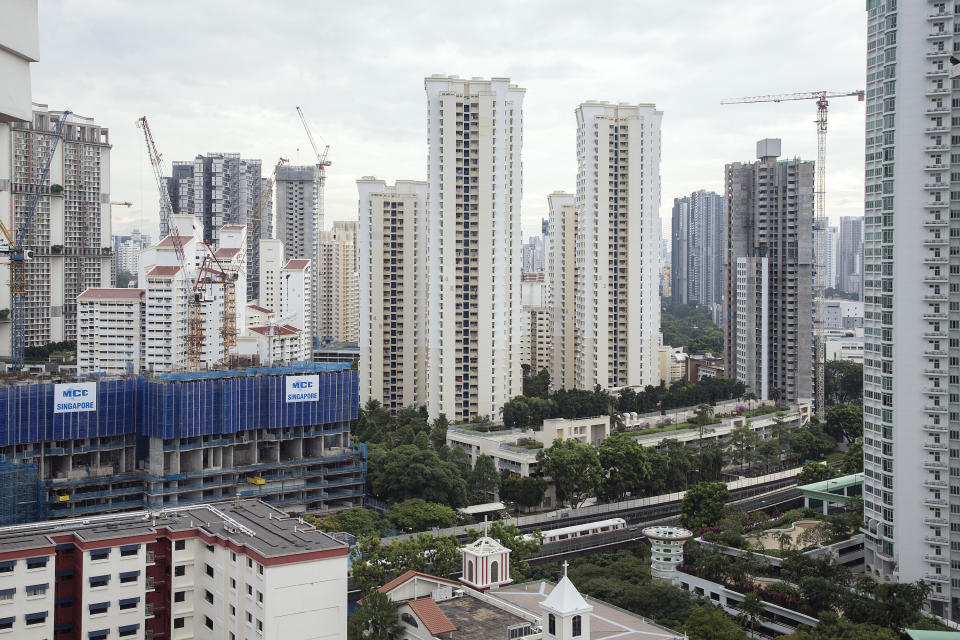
pixel 485 546
pixel 565 599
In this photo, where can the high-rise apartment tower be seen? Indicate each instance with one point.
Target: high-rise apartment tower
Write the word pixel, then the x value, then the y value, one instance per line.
pixel 911 395
pixel 393 292
pixel 768 275
pixel 475 175
pixel 618 245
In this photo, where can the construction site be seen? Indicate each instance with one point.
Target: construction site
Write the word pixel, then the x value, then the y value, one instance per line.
pixel 139 442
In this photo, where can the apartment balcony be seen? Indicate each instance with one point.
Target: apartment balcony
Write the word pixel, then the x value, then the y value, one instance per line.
pixel 936 540
pixel 939 15
pixel 935 502
pixel 936 372
pixel 939 166
pixel 937 91
pixel 937 148
pixel 934 465
pixel 935 334
pixel 938 53
pixel 935 484
pixel 936 223
pixel 935 315
pixel 941 128
pixel 939 186
pixel 937 577
pixel 937 111
pixel 936 408
pixel 935 297
pixel 942 353
pixel 932 557
pixel 936 259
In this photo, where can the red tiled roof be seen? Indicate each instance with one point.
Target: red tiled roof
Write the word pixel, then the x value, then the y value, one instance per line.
pixel 279 330
pixel 296 265
pixel 168 241
pixel 232 227
pixel 163 272
pixel 227 253
pixel 431 616
pixel 257 307
pixel 399 580
pixel 111 294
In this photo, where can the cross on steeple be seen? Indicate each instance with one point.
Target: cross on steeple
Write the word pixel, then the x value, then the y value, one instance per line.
pixel 565 565
pixel 485 526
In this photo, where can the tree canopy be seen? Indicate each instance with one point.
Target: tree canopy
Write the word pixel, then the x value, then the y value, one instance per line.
pixel 845 421
pixel 690 326
pixel 574 467
pixel 703 504
pixel 815 472
pixel 843 382
pixel 417 514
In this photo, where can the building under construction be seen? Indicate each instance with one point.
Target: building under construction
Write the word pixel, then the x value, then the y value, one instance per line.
pixel 278 434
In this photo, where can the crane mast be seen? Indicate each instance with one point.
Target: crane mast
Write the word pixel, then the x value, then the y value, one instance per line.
pixel 820 203
pixel 169 228
pixel 19 254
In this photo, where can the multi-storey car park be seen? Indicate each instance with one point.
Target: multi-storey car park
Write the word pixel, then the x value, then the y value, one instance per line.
pixel 280 434
pixel 235 569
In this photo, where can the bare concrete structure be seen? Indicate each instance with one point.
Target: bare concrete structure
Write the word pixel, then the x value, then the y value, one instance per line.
pixel 768 274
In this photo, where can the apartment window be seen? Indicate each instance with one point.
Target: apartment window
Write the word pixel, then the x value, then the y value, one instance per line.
pixel 250 563
pixel 233 610
pixel 37 590
pixel 208 622
pixel 128 603
pixel 180 545
pixel 99 581
pixel 233 583
pixel 233 556
pixel 208 596
pixel 180 570
pixel 178 623
pixel 100 634
pixel 8 566
pixel 99 607
pixel 259 597
pixel 211 548
pixel 99 554
pixel 260 568
pixel 7 594
pixel 249 617
pixel 129 550
pixel 37 563
pixel 209 570
pixel 128 631
pixel 260 625
pixel 6 623
pixel 249 590
pixel 129 577
pixel 179 596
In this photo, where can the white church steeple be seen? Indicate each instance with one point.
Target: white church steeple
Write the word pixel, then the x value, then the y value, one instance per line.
pixel 568 613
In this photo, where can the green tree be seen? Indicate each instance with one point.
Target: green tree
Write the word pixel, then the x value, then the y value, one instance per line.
pixel 124 278
pixel 626 467
pixel 702 505
pixel 484 481
pixel 843 382
pixel 509 536
pixel 768 452
pixel 815 472
pixel 574 468
pixel 417 514
pixel 410 472
pixel 853 458
pixel 375 564
pixel 833 627
pixel 537 386
pixel 752 608
pixel 707 622
pixel 750 397
pixel 357 521
pixel 438 432
pixel 740 447
pixel 375 619
pixel 526 491
pixel 461 460
pixel 845 421
pixel 818 593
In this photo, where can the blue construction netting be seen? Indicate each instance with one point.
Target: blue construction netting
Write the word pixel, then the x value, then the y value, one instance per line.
pixel 292 368
pixel 231 405
pixel 26 413
pixel 195 405
pixel 19 493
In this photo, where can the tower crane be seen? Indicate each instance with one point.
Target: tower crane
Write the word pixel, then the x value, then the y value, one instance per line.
pixel 322 164
pixel 820 192
pixel 168 227
pixel 16 247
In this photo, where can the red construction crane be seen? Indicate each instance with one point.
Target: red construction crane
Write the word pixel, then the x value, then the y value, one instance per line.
pixel 820 193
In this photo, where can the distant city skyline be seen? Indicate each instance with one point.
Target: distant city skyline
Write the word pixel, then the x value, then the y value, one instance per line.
pixel 249 105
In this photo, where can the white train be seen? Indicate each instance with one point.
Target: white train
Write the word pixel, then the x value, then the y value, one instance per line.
pixel 581 530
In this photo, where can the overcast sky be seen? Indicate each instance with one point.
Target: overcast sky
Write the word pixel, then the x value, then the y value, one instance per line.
pixel 227 76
